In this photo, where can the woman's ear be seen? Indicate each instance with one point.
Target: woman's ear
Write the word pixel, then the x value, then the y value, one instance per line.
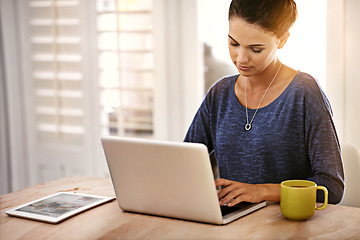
pixel 283 40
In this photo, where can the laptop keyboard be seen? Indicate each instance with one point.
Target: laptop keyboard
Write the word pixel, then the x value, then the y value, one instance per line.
pixel 226 210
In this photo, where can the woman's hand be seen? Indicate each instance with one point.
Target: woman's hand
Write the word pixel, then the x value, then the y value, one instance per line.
pixel 236 192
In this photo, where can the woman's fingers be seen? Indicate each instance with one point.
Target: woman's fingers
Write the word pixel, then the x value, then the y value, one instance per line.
pixel 236 192
pixel 230 191
pixel 222 182
pixel 232 198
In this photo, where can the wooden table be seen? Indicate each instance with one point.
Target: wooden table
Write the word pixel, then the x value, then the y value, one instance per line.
pixel 108 221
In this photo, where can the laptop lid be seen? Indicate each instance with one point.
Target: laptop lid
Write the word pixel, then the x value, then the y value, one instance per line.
pixel 171 179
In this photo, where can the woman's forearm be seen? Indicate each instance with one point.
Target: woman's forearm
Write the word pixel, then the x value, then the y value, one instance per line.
pixel 271 192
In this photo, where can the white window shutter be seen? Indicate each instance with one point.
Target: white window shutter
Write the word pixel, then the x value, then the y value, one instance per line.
pixel 56 64
pixel 54 48
pixel 62 129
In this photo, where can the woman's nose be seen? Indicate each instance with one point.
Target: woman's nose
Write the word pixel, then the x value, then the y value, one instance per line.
pixel 242 56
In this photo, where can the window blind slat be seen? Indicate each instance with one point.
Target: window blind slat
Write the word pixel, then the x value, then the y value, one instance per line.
pixel 59 40
pixel 65 112
pixel 68 76
pixel 42 4
pixel 63 129
pixel 61 93
pixel 58 57
pixel 59 22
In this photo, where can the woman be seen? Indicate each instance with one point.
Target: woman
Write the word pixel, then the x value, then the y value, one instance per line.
pixel 270 123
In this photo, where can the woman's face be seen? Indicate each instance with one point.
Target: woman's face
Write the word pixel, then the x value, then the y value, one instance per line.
pixel 251 48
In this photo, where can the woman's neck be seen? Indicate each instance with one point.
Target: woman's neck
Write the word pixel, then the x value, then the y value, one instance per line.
pixel 256 87
pixel 262 80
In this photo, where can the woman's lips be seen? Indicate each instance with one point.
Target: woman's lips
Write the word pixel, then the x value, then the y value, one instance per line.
pixel 243 68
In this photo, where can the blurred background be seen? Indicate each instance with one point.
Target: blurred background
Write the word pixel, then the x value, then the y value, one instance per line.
pixel 74 70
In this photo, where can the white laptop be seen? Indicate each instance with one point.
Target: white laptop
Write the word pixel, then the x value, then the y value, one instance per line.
pixel 170 179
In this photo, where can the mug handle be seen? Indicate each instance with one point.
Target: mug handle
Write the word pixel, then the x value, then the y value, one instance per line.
pixel 325 198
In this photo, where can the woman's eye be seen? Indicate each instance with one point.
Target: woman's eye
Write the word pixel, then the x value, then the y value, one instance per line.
pixel 257 50
pixel 234 44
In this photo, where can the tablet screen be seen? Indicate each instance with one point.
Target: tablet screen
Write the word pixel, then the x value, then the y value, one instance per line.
pixel 57 207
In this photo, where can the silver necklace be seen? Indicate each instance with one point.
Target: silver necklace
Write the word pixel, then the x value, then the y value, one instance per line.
pixel 248 124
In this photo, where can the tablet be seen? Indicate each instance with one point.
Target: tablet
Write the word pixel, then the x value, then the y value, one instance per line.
pixel 57 207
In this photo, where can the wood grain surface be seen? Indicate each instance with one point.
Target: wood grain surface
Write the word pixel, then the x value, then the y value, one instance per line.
pixel 108 221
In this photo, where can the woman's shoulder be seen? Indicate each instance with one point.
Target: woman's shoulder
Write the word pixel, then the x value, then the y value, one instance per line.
pixel 306 82
pixel 310 90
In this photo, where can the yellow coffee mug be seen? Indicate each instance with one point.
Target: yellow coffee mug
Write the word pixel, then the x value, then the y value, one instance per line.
pixel 298 199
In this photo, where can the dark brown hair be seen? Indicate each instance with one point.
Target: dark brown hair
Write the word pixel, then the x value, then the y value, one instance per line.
pixel 274 16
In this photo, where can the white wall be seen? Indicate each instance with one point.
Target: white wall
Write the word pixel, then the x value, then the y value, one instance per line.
pixel 14 161
pixel 179 77
pixel 214 26
pixel 4 136
pixel 343 58
pixel 305 49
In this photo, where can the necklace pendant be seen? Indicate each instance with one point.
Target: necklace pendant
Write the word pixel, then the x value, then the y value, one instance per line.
pixel 247 126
